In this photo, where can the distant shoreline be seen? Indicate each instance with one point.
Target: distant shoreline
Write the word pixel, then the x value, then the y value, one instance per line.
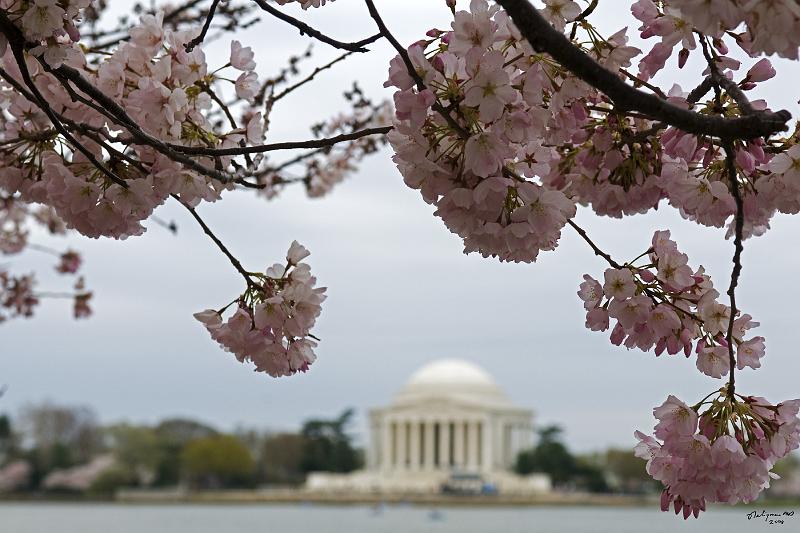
pixel 301 497
pixel 377 499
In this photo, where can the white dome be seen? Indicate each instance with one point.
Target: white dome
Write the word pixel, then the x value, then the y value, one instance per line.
pixel 451 378
pixel 451 372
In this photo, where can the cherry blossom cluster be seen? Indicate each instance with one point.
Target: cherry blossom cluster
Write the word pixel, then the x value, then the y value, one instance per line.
pixel 490 131
pixel 666 305
pixel 273 319
pixel 51 23
pixel 472 132
pixel 17 295
pixel 723 454
pixel 160 85
pixel 770 27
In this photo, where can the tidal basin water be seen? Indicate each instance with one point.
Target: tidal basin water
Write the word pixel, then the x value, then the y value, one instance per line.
pixel 116 518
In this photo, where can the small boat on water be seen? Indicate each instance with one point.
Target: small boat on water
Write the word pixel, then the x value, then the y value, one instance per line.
pixel 435 515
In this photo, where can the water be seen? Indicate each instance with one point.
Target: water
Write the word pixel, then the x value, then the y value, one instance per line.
pixel 120 518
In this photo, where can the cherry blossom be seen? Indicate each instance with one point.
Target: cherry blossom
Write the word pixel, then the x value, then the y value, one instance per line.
pixel 667 306
pixel 271 324
pixel 723 454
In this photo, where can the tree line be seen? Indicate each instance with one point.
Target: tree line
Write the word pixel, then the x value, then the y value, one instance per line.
pixel 56 442
pixel 53 448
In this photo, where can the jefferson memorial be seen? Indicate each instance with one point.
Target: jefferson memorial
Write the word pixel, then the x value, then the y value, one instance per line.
pixel 450 419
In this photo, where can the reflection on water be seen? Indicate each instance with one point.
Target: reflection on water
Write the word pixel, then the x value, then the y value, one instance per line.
pixel 107 518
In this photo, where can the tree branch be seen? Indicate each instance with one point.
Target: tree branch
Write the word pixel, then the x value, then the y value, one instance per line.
pixel 235 262
pixel 118 115
pixel 308 78
pixel 207 24
pixel 373 11
pixel 544 38
pixel 305 29
pixel 597 250
pixel 314 143
pixel 730 166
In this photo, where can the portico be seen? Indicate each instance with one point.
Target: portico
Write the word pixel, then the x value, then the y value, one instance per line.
pixel 450 416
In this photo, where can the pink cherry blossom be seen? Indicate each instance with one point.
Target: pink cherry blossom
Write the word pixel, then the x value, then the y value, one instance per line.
pixel 674 418
pixel 619 283
pixel 749 353
pixel 713 361
pixel 242 57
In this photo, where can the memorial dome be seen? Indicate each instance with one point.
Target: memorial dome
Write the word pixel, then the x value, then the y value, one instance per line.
pixel 452 378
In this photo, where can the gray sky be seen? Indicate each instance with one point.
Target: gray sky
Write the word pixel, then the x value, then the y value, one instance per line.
pixel 401 293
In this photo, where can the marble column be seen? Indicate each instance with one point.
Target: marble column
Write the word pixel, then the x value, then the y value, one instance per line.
pixel 460 441
pixel 486 446
pixel 444 445
pixel 402 441
pixel 507 445
pixel 386 445
pixel 429 445
pixel 472 445
pixel 414 452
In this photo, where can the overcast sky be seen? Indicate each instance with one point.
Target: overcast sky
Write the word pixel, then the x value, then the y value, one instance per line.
pixel 401 292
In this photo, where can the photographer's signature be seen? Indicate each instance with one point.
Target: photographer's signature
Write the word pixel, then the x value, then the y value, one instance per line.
pixel 771 518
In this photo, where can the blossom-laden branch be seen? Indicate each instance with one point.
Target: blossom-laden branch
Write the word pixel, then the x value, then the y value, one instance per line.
pixel 96 133
pixel 271 326
pixel 544 38
pixel 272 323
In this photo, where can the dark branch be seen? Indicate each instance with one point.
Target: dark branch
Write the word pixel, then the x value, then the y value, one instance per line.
pixel 597 250
pixel 373 11
pixel 586 12
pixel 701 90
pixel 235 262
pixel 309 77
pixel 730 166
pixel 305 29
pixel 207 24
pixel 733 89
pixel 314 143
pixel 544 38
pixel 118 115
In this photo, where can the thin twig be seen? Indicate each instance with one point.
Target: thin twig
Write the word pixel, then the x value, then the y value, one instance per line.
pixel 309 77
pixel 597 250
pixel 384 30
pixel 305 29
pixel 290 145
pixel 235 262
pixel 730 166
pixel 207 24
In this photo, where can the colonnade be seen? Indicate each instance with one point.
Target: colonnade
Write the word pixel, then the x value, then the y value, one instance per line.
pixel 471 444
